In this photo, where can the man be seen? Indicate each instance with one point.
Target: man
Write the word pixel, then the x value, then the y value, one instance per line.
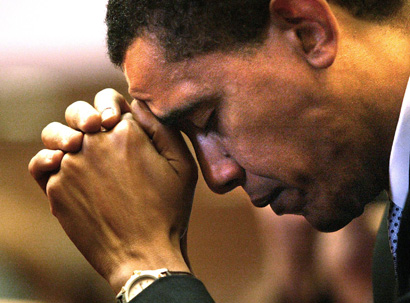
pixel 295 101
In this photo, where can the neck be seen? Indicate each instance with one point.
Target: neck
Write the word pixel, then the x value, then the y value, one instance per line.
pixel 373 68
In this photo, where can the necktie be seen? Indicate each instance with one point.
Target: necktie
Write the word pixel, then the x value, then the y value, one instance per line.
pixel 394 225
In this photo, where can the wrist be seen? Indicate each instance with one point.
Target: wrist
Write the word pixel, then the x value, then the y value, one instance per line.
pixel 120 275
pixel 140 280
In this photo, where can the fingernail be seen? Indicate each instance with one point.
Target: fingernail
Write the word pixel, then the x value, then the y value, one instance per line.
pixel 107 113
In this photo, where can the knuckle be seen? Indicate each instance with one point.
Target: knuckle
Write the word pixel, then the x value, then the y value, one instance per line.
pixel 72 141
pixel 53 135
pixel 67 163
pixel 107 94
pixel 53 125
pixel 127 116
pixel 73 106
pixel 36 162
pixel 32 166
pixel 53 204
pixel 127 133
pixel 106 91
pixel 126 126
pixel 46 130
pixel 65 144
pixel 54 187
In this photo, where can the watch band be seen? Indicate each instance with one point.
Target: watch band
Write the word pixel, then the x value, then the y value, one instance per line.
pixel 140 280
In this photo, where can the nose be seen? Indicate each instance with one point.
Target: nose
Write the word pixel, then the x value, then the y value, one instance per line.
pixel 221 172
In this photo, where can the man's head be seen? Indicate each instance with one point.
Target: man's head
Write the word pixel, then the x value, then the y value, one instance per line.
pixel 271 97
pixel 186 28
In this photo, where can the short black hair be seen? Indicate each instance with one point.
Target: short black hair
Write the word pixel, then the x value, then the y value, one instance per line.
pixel 372 10
pixel 185 28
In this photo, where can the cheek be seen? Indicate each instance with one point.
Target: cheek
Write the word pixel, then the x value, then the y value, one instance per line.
pixel 265 153
pixel 297 155
pixel 294 147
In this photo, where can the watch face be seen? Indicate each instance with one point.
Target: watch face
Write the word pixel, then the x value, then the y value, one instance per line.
pixel 139 285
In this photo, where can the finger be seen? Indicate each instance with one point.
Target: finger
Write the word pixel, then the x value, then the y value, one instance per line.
pixel 82 116
pixel 167 141
pixel 111 105
pixel 43 164
pixel 59 136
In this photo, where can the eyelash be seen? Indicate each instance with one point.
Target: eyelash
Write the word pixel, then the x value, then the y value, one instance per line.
pixel 212 123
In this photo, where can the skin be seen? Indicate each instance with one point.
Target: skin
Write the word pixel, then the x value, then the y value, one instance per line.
pixel 132 212
pixel 270 125
pixel 287 121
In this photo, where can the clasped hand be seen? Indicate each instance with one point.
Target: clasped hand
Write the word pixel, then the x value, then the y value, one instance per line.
pixel 123 195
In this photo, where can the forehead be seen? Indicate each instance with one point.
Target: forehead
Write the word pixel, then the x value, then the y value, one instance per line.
pixel 165 85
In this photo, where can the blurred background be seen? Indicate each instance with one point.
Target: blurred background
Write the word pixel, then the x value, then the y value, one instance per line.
pixel 52 53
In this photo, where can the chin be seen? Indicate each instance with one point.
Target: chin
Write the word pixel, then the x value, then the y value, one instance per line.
pixel 330 223
pixel 330 226
pixel 332 213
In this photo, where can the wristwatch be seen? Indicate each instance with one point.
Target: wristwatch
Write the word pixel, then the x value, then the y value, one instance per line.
pixel 140 280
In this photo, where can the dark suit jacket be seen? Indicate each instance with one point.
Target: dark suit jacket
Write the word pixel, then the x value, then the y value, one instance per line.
pixel 175 289
pixel 387 287
pixel 403 256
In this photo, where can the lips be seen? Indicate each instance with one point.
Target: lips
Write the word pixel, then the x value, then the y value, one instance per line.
pixel 269 199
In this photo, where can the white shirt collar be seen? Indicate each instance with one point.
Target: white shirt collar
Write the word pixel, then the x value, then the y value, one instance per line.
pixel 400 155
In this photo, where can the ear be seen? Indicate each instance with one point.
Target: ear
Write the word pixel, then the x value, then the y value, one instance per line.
pixel 311 28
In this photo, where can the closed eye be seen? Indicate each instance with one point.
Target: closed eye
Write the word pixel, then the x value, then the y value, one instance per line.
pixel 212 123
